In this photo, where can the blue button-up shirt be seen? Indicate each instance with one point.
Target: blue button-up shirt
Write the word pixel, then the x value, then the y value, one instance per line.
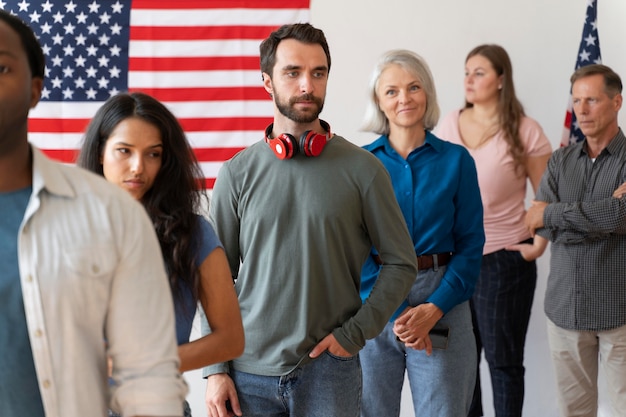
pixel 437 189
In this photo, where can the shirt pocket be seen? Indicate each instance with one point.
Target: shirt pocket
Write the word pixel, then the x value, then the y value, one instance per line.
pixel 87 274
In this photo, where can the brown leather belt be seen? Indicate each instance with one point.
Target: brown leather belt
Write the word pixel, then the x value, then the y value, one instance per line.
pixel 426 261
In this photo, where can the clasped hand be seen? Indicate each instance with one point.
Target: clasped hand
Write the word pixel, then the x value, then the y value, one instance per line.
pixel 413 325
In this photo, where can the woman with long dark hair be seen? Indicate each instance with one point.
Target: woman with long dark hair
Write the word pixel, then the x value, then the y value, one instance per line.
pixel 135 142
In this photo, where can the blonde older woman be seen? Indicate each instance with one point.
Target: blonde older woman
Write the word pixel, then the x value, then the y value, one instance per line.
pixel 437 189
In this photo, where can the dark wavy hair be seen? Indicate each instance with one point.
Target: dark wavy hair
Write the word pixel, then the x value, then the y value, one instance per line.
pixel 510 110
pixel 302 32
pixel 175 197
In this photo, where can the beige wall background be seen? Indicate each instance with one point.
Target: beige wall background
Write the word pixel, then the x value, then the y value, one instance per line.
pixel 542 38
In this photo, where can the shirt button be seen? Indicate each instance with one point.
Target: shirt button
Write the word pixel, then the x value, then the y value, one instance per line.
pixel 95 269
pixel 29 278
pixel 46 383
pixel 38 333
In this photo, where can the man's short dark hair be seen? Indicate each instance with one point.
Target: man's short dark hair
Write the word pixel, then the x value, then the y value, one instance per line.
pixel 303 32
pixel 32 48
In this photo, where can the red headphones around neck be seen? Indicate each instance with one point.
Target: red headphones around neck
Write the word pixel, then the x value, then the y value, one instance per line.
pixel 285 146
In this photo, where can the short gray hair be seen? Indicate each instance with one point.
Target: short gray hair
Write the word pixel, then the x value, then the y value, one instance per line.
pixel 375 120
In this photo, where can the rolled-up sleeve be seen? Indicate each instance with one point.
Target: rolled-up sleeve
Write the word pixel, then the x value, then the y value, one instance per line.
pixel 140 327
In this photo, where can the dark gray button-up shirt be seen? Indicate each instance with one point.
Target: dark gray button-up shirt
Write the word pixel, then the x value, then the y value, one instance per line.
pixel 587 227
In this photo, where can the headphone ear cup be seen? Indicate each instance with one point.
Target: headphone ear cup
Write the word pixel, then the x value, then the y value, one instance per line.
pixel 283 146
pixel 312 143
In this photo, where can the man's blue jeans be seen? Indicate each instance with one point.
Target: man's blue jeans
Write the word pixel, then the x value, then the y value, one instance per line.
pixel 327 386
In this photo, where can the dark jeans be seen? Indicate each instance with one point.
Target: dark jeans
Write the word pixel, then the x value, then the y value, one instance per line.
pixel 501 307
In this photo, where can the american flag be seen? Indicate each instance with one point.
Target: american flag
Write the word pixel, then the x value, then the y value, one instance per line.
pixel 588 53
pixel 199 57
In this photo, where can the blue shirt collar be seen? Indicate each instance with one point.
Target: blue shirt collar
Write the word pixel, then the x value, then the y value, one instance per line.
pixel 383 143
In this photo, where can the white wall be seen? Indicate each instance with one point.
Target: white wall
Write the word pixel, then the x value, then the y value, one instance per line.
pixel 542 38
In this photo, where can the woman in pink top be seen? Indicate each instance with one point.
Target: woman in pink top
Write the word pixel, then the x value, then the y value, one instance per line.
pixel 509 149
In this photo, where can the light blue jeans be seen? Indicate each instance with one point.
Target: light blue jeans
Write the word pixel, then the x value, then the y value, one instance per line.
pixel 327 386
pixel 441 384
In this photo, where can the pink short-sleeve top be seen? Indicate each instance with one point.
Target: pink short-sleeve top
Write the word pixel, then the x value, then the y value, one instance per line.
pixel 503 192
